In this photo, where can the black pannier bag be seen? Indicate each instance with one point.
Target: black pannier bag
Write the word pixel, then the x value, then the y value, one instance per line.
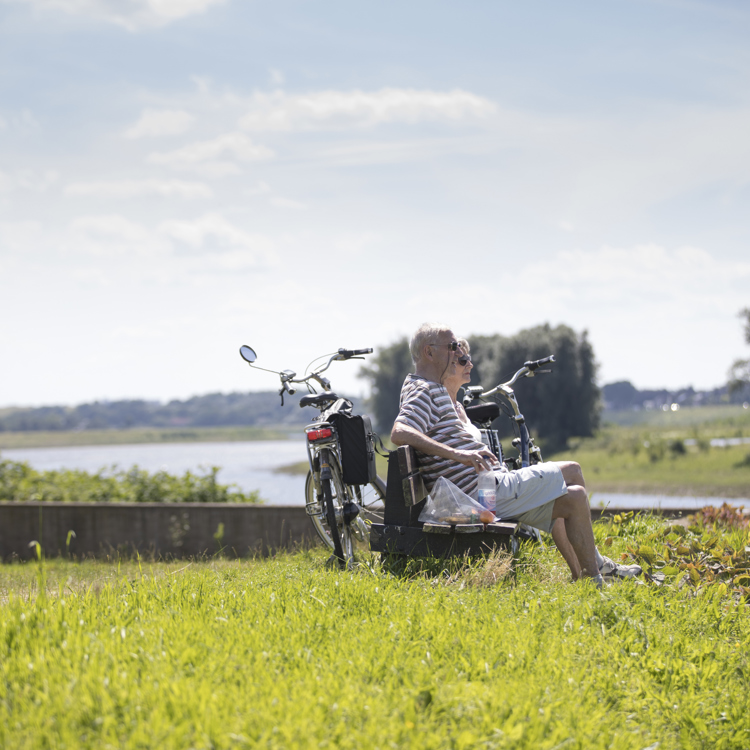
pixel 357 447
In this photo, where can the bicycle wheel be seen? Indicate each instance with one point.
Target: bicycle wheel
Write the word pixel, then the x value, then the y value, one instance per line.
pixel 316 509
pixel 371 500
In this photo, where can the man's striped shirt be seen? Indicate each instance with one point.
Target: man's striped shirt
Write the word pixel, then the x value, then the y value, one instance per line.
pixel 427 407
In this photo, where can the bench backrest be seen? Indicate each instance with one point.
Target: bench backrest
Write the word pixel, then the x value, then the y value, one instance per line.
pixel 405 491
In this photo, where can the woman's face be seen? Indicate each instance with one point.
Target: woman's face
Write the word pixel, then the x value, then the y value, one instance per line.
pixel 460 374
pixel 466 369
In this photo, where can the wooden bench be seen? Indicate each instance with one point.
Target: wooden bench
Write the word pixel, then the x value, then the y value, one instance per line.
pixel 401 533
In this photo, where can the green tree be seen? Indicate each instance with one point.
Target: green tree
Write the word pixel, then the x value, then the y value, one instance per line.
pixel 386 372
pixel 739 372
pixel 557 406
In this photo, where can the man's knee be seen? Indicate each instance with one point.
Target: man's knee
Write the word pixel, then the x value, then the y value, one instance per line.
pixel 575 502
pixel 572 473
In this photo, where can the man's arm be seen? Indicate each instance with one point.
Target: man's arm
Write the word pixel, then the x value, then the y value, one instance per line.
pixel 404 434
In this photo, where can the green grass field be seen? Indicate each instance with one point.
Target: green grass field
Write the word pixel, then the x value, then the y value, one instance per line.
pixel 723 418
pixel 669 454
pixel 285 653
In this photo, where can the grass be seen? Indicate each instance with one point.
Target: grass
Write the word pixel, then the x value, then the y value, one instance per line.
pixel 670 456
pixel 54 439
pixel 285 653
pixel 722 418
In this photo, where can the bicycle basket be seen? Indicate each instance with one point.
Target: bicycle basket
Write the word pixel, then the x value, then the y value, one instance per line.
pixel 357 447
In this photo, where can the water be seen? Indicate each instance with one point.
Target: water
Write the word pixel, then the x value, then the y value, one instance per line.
pixel 627 501
pixel 722 442
pixel 250 466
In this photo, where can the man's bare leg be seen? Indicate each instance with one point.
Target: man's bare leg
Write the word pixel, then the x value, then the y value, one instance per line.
pixel 574 509
pixel 565 548
pixel 572 475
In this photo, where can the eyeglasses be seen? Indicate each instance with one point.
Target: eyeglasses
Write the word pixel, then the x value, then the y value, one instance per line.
pixel 464 360
pixel 453 346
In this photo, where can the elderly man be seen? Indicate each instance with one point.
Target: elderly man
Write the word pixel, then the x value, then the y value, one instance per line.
pixel 549 496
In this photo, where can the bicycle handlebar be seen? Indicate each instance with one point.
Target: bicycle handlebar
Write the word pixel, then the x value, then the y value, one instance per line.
pixel 349 353
pixel 289 377
pixel 535 365
pixel 527 371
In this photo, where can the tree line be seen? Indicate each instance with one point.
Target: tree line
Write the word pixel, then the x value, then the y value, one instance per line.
pixel 261 409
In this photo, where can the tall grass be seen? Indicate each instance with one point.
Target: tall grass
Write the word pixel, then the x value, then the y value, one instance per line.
pixel 285 653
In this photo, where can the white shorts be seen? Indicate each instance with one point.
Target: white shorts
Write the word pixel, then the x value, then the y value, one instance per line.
pixel 533 488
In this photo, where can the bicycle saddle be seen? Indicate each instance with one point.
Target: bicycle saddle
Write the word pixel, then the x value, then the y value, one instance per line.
pixel 317 399
pixel 483 412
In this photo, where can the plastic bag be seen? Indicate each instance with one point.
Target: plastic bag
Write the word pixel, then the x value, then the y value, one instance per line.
pixel 448 504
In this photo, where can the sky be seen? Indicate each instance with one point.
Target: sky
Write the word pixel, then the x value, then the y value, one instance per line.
pixel 180 177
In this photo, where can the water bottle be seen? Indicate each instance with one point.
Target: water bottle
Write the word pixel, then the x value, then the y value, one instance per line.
pixel 486 486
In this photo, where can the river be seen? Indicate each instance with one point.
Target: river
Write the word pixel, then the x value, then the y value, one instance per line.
pixel 249 465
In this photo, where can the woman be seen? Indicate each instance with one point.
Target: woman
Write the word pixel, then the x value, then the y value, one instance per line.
pixel 459 374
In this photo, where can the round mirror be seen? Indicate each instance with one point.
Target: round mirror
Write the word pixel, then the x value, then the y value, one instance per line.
pixel 248 354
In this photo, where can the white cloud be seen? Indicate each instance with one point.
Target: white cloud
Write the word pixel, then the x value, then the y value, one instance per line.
pixel 214 234
pixel 130 14
pixel 278 202
pixel 28 179
pixel 137 188
pixel 110 236
pixel 262 188
pixel 211 156
pixel 20 238
pixel 391 151
pixel 174 246
pixel 649 274
pixel 279 111
pixel 159 122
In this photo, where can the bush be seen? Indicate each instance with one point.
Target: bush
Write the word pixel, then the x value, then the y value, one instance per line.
pixel 20 483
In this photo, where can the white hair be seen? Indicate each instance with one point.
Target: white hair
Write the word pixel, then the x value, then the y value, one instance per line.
pixel 425 334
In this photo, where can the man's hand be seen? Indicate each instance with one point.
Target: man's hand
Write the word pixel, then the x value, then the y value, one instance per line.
pixel 481 460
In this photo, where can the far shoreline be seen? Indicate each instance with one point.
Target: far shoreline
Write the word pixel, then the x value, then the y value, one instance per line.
pixel 141 435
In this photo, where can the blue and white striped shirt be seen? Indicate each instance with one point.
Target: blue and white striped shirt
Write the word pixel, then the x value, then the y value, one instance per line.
pixel 427 407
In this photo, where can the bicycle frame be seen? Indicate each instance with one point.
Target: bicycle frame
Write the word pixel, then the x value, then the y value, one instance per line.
pixel 338 519
pixel 525 443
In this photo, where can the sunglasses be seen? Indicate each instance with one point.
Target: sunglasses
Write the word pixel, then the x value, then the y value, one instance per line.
pixel 453 346
pixel 464 359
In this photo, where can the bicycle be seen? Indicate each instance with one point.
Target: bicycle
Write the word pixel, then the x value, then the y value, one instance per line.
pixel 483 414
pixel 342 489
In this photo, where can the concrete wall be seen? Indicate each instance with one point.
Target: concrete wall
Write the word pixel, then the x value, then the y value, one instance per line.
pixel 160 529
pixel 163 529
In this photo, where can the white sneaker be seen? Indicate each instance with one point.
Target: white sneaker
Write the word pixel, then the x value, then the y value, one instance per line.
pixel 612 571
